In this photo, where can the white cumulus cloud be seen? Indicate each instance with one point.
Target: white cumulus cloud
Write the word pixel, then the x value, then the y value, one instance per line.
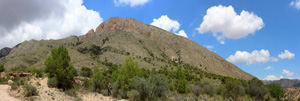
pixel 59 19
pixel 286 55
pixel 131 3
pixel 182 33
pixel 261 56
pixel 269 68
pixel 296 4
pixel 168 24
pixel 273 77
pixel 225 23
pixel 287 73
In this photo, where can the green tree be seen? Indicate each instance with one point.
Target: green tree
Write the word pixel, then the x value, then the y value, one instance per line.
pixel 276 90
pixel 182 83
pixel 233 88
pixel 98 80
pixel 257 88
pixel 58 65
pixel 2 68
pixel 86 71
pixel 129 69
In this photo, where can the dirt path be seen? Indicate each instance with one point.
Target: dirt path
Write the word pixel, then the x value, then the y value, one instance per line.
pixel 4 96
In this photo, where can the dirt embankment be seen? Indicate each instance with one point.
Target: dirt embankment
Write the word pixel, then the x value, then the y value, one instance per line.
pixel 4 95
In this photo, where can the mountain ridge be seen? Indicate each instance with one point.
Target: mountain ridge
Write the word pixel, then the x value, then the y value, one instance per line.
pixel 118 38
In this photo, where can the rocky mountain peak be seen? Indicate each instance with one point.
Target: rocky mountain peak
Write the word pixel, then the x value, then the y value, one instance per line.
pixel 128 24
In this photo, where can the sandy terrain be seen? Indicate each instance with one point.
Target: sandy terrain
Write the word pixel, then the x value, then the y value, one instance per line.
pixel 4 96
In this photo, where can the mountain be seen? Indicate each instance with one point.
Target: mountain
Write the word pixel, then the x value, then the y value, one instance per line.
pixel 5 51
pixel 286 83
pixel 118 38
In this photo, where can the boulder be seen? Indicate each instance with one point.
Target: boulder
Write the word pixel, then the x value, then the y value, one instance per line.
pixel 10 82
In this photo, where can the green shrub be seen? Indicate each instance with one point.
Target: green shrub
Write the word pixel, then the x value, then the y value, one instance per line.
pixel 143 86
pixel 133 95
pixel 129 69
pixel 2 69
pixel 210 90
pixel 86 72
pixel 196 90
pixel 160 85
pixel 257 88
pixel 38 72
pixel 71 92
pixel 29 90
pixel 116 89
pixel 276 90
pixel 18 69
pixel 181 82
pixel 14 86
pixel 87 83
pixel 233 88
pixel 58 65
pixel 98 80
pixel 104 92
pixel 52 82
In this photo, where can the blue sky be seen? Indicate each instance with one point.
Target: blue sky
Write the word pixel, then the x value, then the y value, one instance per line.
pixel 265 35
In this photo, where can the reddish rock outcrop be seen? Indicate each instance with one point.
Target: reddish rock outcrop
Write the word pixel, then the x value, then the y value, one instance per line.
pixel 128 24
pixel 90 33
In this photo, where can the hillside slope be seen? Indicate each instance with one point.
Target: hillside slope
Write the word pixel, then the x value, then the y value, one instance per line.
pixel 286 83
pixel 118 38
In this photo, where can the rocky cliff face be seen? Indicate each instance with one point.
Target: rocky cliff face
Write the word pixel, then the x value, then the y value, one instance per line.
pixel 5 51
pixel 118 38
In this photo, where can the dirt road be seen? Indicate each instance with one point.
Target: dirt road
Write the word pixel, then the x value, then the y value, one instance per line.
pixel 4 96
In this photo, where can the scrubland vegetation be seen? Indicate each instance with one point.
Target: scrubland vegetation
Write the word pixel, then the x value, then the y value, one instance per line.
pixel 132 82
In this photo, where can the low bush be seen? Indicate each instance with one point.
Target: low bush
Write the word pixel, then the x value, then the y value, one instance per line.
pixel 160 85
pixel 52 82
pixel 133 95
pixel 210 90
pixel 104 92
pixel 86 72
pixel 143 86
pixel 29 90
pixel 98 81
pixel 71 92
pixel 257 88
pixel 38 72
pixel 2 69
pixel 116 89
pixel 87 83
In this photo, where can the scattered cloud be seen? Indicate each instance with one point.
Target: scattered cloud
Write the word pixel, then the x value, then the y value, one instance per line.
pixel 269 68
pixel 286 55
pixel 209 46
pixel 296 4
pixel 182 33
pixel 274 59
pixel 287 73
pixel 31 20
pixel 261 56
pixel 273 77
pixel 131 3
pixel 225 23
pixel 168 24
